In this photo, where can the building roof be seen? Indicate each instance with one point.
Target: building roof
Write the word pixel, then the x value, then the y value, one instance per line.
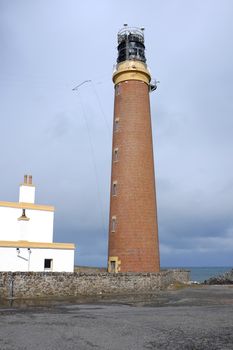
pixel 21 205
pixel 39 245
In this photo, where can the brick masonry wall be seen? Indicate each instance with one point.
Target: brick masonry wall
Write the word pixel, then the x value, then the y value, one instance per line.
pixel 135 239
pixel 56 284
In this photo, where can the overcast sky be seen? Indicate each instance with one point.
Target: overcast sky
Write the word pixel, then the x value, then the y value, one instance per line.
pixel 63 138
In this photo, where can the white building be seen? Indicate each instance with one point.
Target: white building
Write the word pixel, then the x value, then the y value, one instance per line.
pixel 26 236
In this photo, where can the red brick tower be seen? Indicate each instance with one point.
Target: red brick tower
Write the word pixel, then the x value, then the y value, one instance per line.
pixel 133 228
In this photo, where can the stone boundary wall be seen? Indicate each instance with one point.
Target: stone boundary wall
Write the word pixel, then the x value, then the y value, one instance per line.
pixel 59 284
pixel 89 269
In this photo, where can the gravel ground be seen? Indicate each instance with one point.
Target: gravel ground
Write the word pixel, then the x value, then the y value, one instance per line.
pixel 191 318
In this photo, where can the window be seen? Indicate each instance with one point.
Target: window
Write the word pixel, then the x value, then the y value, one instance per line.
pixel 116 124
pixel 133 52
pixel 113 224
pixel 114 188
pixel 115 154
pixel 48 264
pixel 118 89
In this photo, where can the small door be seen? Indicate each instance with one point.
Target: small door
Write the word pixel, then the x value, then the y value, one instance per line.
pixel 112 266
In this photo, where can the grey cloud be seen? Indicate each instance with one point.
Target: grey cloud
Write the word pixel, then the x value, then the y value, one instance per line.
pixel 60 126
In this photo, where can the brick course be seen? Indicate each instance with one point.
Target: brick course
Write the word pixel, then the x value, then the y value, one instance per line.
pixel 135 240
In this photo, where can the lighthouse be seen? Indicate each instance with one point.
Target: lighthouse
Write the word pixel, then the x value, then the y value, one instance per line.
pixel 133 244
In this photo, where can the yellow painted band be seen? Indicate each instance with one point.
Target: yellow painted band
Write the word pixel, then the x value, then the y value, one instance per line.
pixel 130 76
pixel 21 205
pixel 131 70
pixel 28 244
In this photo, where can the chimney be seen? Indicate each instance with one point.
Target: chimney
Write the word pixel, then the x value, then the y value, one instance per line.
pixel 27 180
pixel 27 190
pixel 30 179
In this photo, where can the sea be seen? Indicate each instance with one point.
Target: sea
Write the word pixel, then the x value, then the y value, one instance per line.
pixel 200 274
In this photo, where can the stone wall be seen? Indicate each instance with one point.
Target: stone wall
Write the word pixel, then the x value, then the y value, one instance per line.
pixel 88 269
pixel 55 284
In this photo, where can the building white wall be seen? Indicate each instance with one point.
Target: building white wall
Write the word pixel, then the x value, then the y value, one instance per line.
pixel 38 229
pixel 27 194
pixel 35 225
pixel 33 259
